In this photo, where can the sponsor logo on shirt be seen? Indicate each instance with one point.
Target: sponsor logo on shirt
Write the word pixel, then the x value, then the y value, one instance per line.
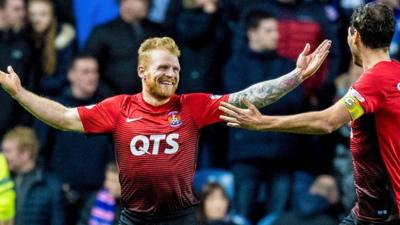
pixel 128 120
pixel 174 119
pixel 141 144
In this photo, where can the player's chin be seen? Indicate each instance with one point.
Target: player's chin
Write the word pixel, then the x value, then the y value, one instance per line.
pixel 167 92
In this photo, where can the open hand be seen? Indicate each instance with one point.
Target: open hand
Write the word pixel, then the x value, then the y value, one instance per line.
pixel 10 81
pixel 308 64
pixel 249 118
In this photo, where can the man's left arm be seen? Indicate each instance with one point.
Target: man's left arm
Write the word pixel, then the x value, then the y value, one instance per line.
pixel 267 92
pixel 318 122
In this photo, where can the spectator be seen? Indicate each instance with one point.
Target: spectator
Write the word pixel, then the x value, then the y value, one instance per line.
pixel 104 206
pixel 115 44
pixel 73 150
pixel 261 158
pixel 7 194
pixel 310 22
pixel 38 199
pixel 205 50
pixel 214 207
pixel 14 50
pixel 206 47
pixel 53 46
pixel 315 198
pixel 15 13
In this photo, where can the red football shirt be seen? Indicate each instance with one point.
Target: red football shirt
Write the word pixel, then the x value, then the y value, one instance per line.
pixel 156 147
pixel 378 93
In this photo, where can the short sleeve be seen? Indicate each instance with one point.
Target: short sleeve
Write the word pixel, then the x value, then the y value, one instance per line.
pixel 204 107
pixel 101 117
pixel 370 91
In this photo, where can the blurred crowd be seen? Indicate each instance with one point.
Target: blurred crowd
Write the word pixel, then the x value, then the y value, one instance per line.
pixel 80 52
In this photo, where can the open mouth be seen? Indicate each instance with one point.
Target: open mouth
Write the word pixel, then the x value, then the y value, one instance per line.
pixel 167 83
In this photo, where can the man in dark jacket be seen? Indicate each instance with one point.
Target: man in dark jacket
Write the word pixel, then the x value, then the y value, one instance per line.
pixel 258 158
pixel 73 150
pixel 38 199
pixel 15 51
pixel 115 46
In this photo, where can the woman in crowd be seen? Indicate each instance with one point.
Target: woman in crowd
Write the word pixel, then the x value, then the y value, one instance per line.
pixel 52 45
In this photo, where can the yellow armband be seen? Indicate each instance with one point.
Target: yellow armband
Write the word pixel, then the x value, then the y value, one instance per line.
pixel 7 193
pixel 353 106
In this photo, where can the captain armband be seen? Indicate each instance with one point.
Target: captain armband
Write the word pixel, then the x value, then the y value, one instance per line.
pixel 353 106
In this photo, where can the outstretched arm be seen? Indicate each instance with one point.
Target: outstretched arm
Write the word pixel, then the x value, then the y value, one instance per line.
pixel 267 92
pixel 48 111
pixel 319 122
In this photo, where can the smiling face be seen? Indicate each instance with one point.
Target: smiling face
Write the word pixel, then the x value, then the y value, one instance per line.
pixel 160 74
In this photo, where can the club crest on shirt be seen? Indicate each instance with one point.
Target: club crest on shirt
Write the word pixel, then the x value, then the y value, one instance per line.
pixel 174 119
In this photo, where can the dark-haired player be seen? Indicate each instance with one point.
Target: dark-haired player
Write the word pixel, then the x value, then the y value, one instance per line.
pixel 373 106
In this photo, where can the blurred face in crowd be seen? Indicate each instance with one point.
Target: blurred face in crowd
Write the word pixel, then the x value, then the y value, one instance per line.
pixel 84 77
pixel 40 15
pixel 325 186
pixel 132 10
pixel 216 205
pixel 16 159
pixel 160 75
pixel 111 183
pixel 265 36
pixel 15 13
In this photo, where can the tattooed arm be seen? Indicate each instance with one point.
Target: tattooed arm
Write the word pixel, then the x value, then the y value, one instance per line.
pixel 267 92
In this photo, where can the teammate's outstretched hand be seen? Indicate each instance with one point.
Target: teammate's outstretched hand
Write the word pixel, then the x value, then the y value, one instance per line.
pixel 10 81
pixel 249 118
pixel 307 63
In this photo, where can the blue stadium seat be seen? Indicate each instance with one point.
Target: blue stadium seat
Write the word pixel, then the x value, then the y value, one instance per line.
pixel 220 176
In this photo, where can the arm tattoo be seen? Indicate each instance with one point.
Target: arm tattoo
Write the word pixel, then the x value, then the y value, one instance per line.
pixel 266 92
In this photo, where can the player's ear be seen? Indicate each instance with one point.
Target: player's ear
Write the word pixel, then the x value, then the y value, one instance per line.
pixel 357 37
pixel 140 71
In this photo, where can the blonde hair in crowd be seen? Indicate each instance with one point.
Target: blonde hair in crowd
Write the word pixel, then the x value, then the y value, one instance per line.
pixel 164 43
pixel 26 139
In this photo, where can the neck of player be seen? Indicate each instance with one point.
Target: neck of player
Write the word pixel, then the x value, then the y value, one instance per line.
pixel 371 57
pixel 154 100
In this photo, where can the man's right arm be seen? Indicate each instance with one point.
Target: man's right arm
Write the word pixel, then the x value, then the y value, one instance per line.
pixel 46 110
pixel 318 122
